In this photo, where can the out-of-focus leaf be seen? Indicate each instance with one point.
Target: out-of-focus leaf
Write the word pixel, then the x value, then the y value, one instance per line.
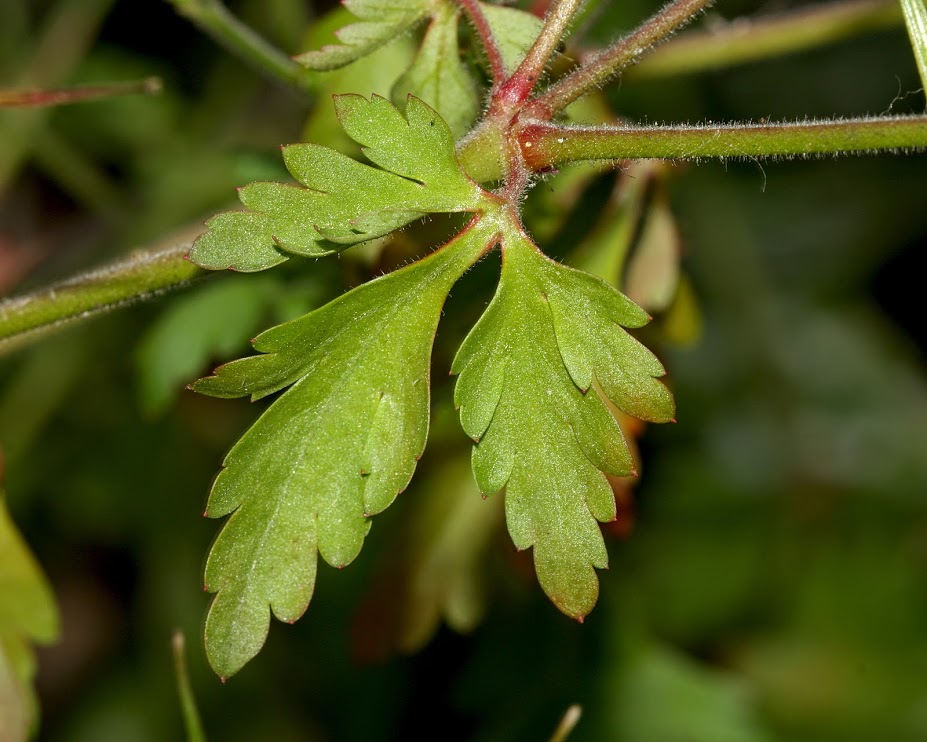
pixel 452 529
pixel 434 566
pixel 28 606
pixel 682 322
pixel 17 699
pixel 605 251
pixel 666 697
pixel 214 322
pixel 652 273
pixel 27 614
pixel 43 379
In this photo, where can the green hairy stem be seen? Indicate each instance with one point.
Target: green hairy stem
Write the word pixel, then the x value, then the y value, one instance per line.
pixel 138 277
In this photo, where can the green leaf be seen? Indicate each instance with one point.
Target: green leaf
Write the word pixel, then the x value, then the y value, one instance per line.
pixel 452 531
pixel 604 252
pixel 333 450
pixel 380 21
pixel 526 369
pixel 652 274
pixel 17 700
pixel 211 323
pixel 28 606
pixel 696 702
pixel 27 614
pixel 514 30
pixel 344 202
pixel 439 77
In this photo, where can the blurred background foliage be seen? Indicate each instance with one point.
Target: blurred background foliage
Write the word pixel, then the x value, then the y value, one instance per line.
pixel 769 573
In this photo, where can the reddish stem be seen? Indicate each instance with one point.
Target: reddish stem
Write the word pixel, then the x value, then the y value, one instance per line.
pixel 484 31
pixel 519 86
pixel 63 96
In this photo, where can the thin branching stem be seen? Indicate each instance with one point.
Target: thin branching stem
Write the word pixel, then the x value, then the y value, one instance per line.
pixel 192 722
pixel 37 97
pixel 215 20
pixel 613 59
pixel 523 81
pixel 567 723
pixel 548 145
pixel 487 39
pixel 750 39
pixel 68 33
pixel 138 277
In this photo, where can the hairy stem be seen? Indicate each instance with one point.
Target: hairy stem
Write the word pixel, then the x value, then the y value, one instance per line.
pixel 215 20
pixel 612 60
pixel 547 145
pixel 519 86
pixel 487 39
pixel 140 276
pixel 751 39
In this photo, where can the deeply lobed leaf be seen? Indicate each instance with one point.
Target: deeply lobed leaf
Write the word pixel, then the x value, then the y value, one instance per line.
pixel 334 449
pixel 438 75
pixel 342 201
pixel 524 374
pixel 380 21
